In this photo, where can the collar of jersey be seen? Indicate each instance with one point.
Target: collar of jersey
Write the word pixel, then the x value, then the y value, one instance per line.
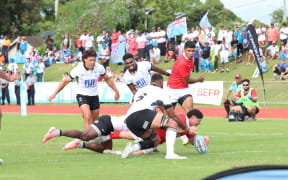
pixel 186 57
pixel 86 67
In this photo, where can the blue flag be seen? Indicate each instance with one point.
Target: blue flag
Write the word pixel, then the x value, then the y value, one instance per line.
pixel 204 23
pixel 177 27
pixel 117 52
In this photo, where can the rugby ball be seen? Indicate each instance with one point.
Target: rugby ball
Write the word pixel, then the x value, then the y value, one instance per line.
pixel 200 145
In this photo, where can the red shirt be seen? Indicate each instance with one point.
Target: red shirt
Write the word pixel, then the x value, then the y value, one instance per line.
pixel 115 35
pixel 181 68
pixel 253 93
pixel 162 132
pixel 78 43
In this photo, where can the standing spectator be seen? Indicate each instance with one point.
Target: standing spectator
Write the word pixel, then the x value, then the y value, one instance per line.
pixel 40 69
pixel 108 41
pixel 154 54
pixel 205 54
pixel 215 48
pixel 224 54
pixel 210 35
pixel 228 35
pixel 185 36
pixel 104 54
pixel 1 40
pixel 284 33
pixel 49 43
pixel 245 44
pixel 197 54
pixel 66 48
pixel 272 51
pixel 121 37
pixel 234 44
pixel 12 66
pixel 27 68
pixel 280 69
pixel 234 89
pixel 114 36
pixel 5 48
pixel 161 41
pixel 17 90
pixel 100 38
pixel 78 42
pixel 30 81
pixel 272 34
pixel 18 43
pixel 141 42
pixel 83 39
pixel 153 37
pixel 261 36
pixel 146 35
pixel 89 42
pixel 221 34
pixel 2 59
pixel 238 34
pixel 23 45
pixel 4 87
pixel 133 44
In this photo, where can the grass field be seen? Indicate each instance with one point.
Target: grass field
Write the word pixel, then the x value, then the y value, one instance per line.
pixel 231 145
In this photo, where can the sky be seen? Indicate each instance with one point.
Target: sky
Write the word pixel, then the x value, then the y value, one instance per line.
pixel 254 9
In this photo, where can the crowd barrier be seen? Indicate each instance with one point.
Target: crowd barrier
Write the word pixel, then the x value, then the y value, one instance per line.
pixel 209 92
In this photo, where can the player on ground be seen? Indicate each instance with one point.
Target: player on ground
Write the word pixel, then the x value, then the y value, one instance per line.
pixel 9 78
pixel 193 118
pixel 178 82
pixel 142 119
pixel 87 75
pixel 138 74
pixel 101 127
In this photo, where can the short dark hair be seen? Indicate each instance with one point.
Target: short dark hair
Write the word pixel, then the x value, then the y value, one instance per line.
pixel 127 56
pixel 89 53
pixel 246 80
pixel 189 44
pixel 156 77
pixel 195 112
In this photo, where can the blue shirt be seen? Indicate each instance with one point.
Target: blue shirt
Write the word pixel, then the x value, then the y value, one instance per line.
pixel 30 80
pixel 239 36
pixel 282 65
pixel 147 38
pixel 3 81
pixel 23 46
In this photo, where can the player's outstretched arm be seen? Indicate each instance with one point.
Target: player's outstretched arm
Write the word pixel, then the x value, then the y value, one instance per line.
pixel 173 115
pixel 159 70
pixel 188 80
pixel 10 78
pixel 61 85
pixel 112 86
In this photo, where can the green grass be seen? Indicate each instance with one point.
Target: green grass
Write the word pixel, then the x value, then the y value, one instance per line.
pixel 231 145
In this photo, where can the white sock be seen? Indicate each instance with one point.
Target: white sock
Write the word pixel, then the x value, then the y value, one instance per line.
pixel 170 140
pixel 136 147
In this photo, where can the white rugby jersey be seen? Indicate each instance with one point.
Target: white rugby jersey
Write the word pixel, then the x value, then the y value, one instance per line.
pixel 142 76
pixel 87 80
pixel 118 123
pixel 149 97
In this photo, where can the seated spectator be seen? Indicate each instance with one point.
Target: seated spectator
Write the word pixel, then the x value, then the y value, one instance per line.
pixel 263 66
pixel 110 74
pixel 120 78
pixel 23 45
pixel 47 61
pixel 272 51
pixel 281 70
pixel 137 57
pixel 77 56
pixel 66 48
pixel 170 54
pixel 154 54
pixel 12 66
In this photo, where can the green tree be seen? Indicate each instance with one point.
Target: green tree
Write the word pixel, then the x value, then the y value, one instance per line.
pixel 277 16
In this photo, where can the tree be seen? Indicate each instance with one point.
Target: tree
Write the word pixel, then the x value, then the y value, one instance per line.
pixel 277 16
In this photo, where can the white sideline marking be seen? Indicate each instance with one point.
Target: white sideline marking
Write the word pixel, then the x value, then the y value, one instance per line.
pixel 234 152
pixel 248 134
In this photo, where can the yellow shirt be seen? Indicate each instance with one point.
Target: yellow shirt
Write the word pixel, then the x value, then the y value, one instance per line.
pixel 6 43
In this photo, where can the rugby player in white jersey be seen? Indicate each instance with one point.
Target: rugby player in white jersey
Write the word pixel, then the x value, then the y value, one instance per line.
pixel 87 75
pixel 138 74
pixel 142 119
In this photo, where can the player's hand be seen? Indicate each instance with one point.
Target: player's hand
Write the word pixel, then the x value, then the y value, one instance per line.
pixel 192 131
pixel 206 140
pixel 116 96
pixel 52 96
pixel 201 78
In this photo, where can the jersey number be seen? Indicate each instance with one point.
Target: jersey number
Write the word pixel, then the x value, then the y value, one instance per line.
pixel 141 97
